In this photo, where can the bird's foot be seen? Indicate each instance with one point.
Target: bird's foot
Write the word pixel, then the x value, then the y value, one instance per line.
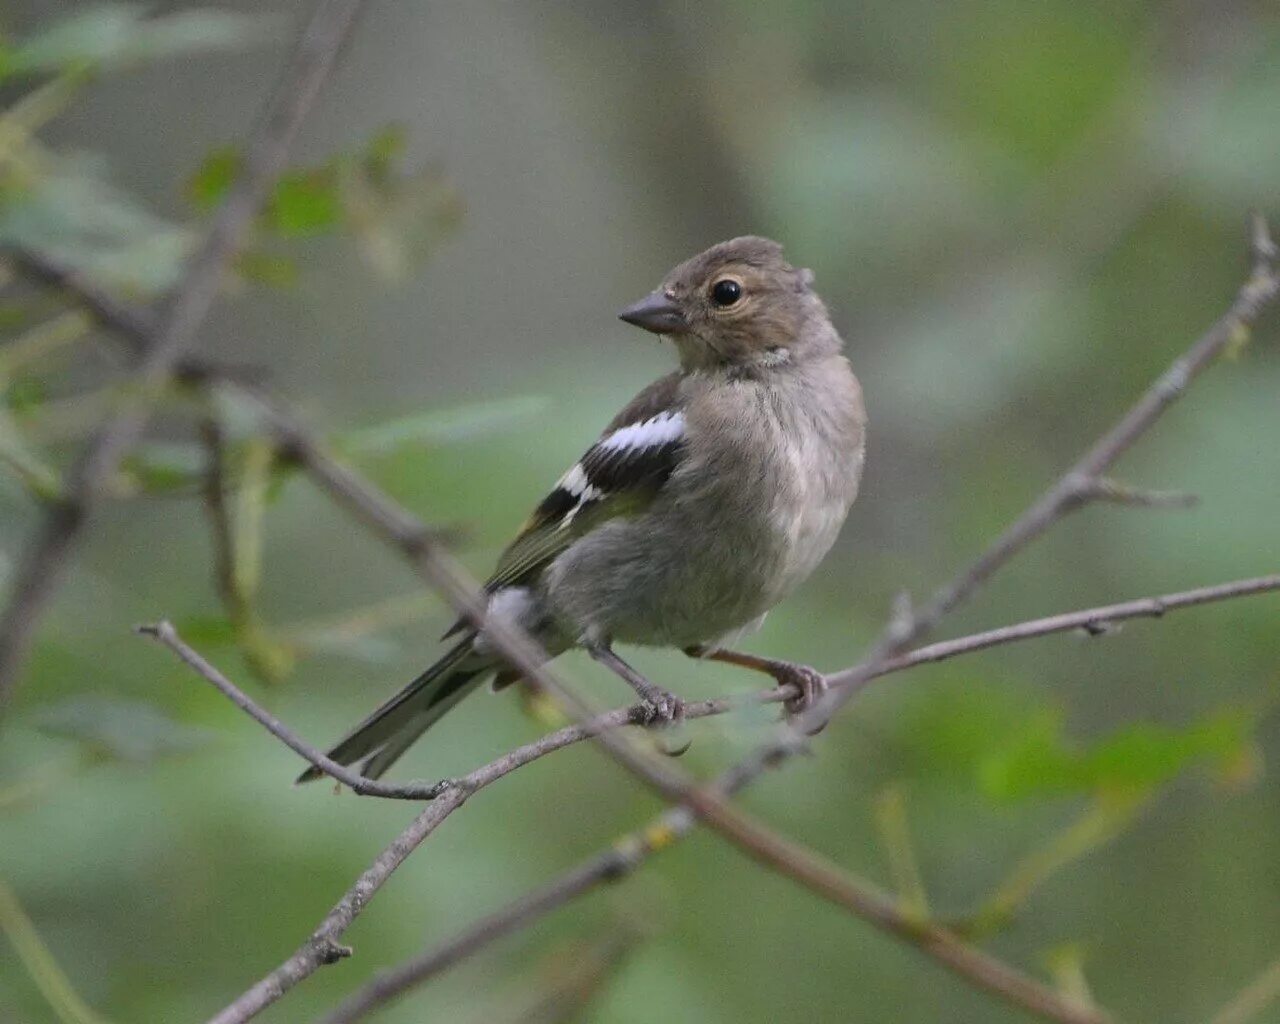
pixel 811 683
pixel 664 711
pixel 660 707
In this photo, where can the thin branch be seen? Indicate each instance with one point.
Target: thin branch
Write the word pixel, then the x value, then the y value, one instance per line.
pixel 1092 620
pixel 323 947
pixel 612 865
pixel 42 567
pixel 165 634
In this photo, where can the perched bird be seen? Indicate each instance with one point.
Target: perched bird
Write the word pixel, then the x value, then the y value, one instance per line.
pixel 703 504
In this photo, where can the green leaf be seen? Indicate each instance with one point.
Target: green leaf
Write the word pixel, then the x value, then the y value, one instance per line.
pixel 213 178
pixel 159 468
pixel 121 730
pixel 384 149
pixel 1136 759
pixel 120 34
pixel 73 214
pixel 441 426
pixel 268 269
pixel 207 630
pixel 304 203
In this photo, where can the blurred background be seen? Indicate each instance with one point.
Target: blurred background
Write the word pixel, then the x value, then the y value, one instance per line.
pixel 1019 213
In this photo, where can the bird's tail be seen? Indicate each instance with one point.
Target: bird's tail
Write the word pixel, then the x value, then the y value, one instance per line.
pixel 387 733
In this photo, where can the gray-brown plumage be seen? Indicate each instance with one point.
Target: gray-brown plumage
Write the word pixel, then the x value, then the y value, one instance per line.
pixel 705 502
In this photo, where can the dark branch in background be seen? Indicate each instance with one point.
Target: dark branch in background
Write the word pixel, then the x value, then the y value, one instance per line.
pixel 1085 483
pixel 41 570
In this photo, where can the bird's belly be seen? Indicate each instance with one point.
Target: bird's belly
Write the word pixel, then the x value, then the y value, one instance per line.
pixel 680 584
pixel 636 582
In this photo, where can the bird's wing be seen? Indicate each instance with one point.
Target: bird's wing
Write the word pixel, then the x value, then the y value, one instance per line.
pixel 619 475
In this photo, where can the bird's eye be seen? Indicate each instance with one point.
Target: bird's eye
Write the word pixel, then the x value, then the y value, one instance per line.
pixel 726 292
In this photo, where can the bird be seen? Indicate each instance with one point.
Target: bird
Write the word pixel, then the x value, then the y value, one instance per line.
pixel 708 499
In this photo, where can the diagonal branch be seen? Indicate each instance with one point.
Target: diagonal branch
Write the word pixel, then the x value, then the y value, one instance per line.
pixel 42 568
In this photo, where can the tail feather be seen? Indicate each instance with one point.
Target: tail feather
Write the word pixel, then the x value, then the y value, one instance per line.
pixel 387 733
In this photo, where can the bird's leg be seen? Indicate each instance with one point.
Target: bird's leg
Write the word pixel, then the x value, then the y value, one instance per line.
pixel 664 706
pixel 811 684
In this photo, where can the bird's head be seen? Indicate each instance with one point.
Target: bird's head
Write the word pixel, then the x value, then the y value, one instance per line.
pixel 739 304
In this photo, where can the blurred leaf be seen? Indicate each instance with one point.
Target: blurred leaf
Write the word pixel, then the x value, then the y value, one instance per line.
pixel 1102 820
pixel 946 734
pixel 74 215
pixel 158 467
pixel 1065 963
pixel 121 34
pixel 267 269
pixel 207 630
pixel 121 730
pixel 440 426
pixel 398 222
pixel 397 218
pixel 43 340
pixel 304 203
pixel 40 479
pixel 384 149
pixel 1043 762
pixel 213 178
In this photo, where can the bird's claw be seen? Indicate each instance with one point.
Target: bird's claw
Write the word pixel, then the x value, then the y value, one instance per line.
pixel 666 711
pixel 811 683
pixel 662 708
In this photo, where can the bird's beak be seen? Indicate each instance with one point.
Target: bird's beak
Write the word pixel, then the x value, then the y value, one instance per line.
pixel 658 313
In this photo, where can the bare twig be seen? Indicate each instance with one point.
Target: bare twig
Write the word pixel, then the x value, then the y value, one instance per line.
pixel 164 633
pixel 1092 620
pixel 41 570
pixel 611 865
pixel 323 947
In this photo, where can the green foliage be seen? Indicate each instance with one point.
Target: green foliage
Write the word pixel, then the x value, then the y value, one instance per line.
pixel 1009 747
pixel 157 467
pixel 1043 762
pixel 440 426
pixel 1018 213
pixel 397 218
pixel 117 35
pixel 120 730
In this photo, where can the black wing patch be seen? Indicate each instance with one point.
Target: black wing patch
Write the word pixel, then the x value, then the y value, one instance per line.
pixel 619 475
